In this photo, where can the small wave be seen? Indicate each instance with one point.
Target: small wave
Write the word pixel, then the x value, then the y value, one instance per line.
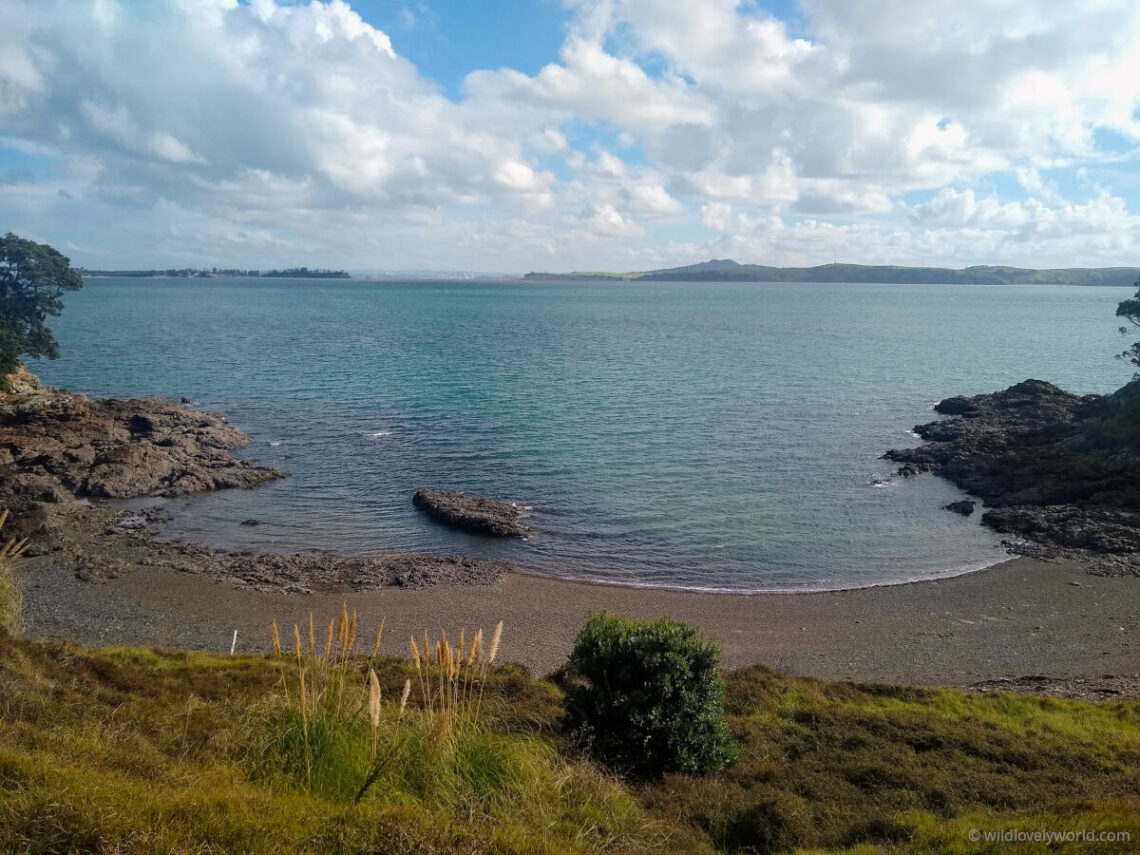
pixel 377 434
pixel 914 434
pixel 273 443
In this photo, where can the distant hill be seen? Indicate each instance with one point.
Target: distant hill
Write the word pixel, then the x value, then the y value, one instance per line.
pixel 726 270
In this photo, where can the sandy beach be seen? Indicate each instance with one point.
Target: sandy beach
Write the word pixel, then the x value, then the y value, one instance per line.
pixel 1017 619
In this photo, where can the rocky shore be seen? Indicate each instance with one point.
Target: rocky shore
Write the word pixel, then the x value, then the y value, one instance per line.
pixel 58 450
pixel 472 514
pixel 1060 471
pixel 57 447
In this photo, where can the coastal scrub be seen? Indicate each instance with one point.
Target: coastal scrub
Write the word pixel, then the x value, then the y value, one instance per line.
pixel 645 697
pixel 137 751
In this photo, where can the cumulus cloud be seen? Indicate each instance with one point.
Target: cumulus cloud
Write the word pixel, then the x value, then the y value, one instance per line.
pixel 268 132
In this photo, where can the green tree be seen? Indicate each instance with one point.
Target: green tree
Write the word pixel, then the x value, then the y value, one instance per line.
pixel 646 697
pixel 1130 310
pixel 33 277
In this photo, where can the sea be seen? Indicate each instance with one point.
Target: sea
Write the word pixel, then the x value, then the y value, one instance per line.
pixel 719 437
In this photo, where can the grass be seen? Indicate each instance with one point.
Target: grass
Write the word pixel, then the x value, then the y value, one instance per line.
pixel 125 750
pixel 11 601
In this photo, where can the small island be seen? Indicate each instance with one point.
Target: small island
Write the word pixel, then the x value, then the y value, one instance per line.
pixel 213 273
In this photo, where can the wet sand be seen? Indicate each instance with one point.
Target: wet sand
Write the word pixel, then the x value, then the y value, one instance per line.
pixel 1020 618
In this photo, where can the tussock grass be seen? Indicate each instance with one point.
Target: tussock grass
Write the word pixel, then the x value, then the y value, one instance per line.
pixel 127 751
pixel 11 600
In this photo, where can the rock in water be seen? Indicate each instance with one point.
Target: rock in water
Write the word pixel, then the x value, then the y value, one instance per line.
pixel 472 514
pixel 964 507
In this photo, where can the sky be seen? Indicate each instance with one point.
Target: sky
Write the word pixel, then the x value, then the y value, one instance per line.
pixel 516 135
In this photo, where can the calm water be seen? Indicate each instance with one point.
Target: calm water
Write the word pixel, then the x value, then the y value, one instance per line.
pixel 714 436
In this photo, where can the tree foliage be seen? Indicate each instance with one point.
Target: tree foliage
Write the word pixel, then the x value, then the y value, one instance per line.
pixel 1130 311
pixel 646 697
pixel 33 277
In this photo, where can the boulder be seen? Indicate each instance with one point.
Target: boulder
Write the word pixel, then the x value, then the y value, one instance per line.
pixel 965 507
pixel 470 513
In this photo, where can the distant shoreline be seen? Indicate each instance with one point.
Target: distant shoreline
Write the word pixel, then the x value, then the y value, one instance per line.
pixel 214 273
pixel 726 270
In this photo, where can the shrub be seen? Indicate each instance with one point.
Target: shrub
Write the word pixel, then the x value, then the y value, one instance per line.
pixel 645 697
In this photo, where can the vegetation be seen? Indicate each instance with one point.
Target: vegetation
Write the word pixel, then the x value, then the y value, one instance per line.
pixel 127 750
pixel 11 601
pixel 645 697
pixel 305 273
pixel 210 272
pixel 333 734
pixel 1130 311
pixel 725 270
pixel 33 277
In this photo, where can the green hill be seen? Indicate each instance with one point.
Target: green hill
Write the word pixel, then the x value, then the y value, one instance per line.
pixel 726 270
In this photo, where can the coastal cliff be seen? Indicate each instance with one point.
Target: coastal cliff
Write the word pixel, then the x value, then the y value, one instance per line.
pixel 1060 471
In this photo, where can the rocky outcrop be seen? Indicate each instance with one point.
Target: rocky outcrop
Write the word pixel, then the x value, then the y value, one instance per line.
pixel 1060 470
pixel 56 446
pixel 99 543
pixel 472 514
pixel 965 507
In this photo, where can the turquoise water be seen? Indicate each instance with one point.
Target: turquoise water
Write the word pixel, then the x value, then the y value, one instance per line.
pixel 695 435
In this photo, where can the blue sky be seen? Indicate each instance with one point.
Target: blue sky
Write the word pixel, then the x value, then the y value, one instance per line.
pixel 585 134
pixel 447 41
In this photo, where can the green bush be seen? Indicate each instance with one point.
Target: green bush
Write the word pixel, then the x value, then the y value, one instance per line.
pixel 646 697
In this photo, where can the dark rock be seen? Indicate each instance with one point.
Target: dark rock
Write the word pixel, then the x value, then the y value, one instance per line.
pixel 473 514
pixel 97 568
pixel 957 406
pixel 1060 470
pixel 64 446
pixel 324 572
pixel 186 399
pixel 965 507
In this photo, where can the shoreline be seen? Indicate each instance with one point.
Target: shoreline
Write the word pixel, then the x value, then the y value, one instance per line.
pixel 1021 618
pixel 758 592
pixel 100 577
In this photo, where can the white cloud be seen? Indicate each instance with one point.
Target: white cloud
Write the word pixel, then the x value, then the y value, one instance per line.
pixel 300 129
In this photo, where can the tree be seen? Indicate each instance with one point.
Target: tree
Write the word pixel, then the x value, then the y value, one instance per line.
pixel 1130 310
pixel 33 277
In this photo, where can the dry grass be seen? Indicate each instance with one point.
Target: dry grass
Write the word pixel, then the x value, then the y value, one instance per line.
pixel 328 699
pixel 126 750
pixel 11 600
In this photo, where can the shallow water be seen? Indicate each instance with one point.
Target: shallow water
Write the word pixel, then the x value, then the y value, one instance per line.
pixel 695 435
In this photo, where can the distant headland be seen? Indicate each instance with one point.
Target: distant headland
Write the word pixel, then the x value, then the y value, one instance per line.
pixel 726 270
pixel 212 272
